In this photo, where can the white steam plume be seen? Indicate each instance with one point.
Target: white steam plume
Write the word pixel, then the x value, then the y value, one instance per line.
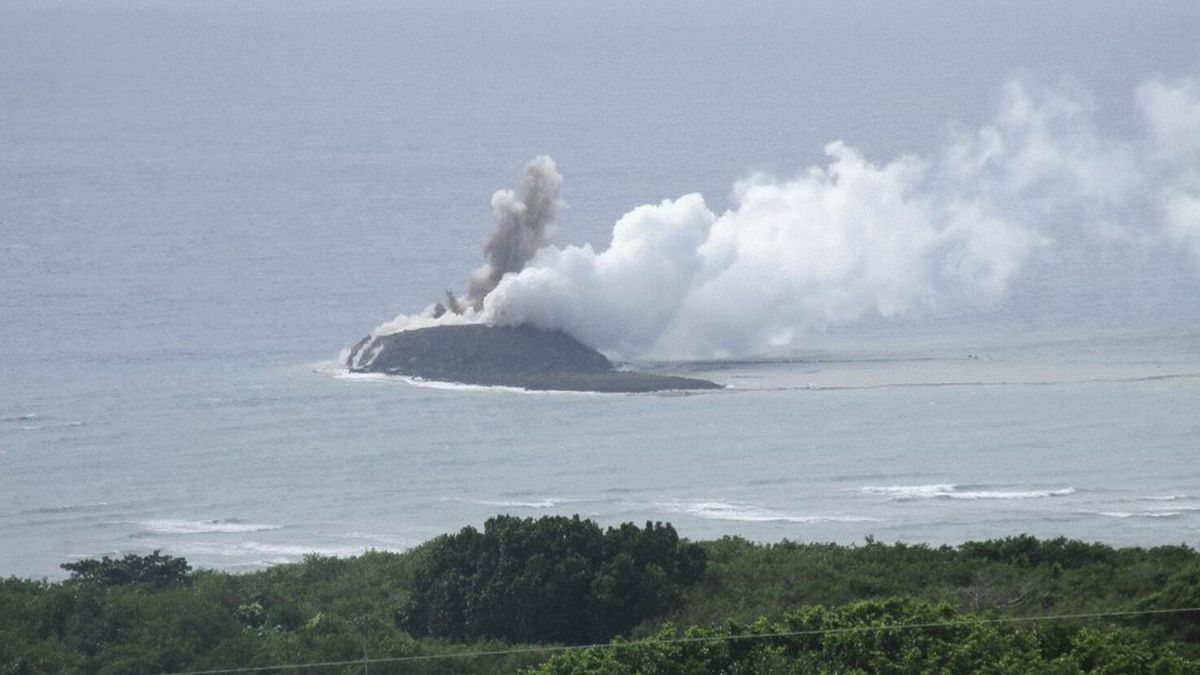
pixel 851 239
pixel 1173 113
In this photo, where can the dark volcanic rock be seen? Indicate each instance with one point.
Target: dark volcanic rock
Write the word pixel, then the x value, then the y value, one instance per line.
pixel 505 356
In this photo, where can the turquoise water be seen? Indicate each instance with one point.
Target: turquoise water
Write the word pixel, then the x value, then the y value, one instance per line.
pixel 201 205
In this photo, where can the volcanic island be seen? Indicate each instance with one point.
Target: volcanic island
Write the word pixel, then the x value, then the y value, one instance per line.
pixel 505 356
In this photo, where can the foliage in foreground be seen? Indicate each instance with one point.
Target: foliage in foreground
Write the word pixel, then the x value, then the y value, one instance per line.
pixel 555 580
pixel 149 614
pixel 1019 575
pixel 856 638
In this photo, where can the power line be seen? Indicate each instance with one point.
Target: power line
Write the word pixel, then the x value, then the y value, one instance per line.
pixel 684 640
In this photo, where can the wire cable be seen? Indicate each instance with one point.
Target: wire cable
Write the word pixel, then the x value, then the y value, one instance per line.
pixel 685 640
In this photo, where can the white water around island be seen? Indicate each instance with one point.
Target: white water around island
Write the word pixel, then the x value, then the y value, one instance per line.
pixel 204 203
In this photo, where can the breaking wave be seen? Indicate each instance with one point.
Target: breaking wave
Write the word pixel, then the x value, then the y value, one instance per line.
pixel 901 493
pixel 1140 514
pixel 279 552
pixel 547 503
pixel 749 513
pixel 219 526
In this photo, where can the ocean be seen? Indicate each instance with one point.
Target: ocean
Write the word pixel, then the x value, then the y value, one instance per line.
pixel 203 203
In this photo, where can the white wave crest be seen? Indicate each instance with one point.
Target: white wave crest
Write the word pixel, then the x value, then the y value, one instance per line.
pixel 901 493
pixel 282 552
pixel 1140 514
pixel 548 503
pixel 911 491
pixel 532 502
pixel 750 513
pixel 220 525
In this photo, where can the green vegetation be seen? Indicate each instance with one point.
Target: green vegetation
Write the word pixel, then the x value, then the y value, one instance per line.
pixel 156 569
pixel 568 581
pixel 1015 576
pixel 560 580
pixel 849 639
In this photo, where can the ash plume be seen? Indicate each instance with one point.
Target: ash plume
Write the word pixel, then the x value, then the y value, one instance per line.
pixel 523 226
pixel 851 239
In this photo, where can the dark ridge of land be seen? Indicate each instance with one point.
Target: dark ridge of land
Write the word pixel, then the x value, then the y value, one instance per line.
pixel 506 356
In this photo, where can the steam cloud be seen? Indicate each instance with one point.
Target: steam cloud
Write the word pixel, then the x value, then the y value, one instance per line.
pixel 847 240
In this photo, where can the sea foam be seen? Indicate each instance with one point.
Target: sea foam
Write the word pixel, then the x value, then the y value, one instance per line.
pixel 280 552
pixel 716 510
pixel 901 493
pixel 339 371
pixel 218 526
pixel 547 503
pixel 1140 514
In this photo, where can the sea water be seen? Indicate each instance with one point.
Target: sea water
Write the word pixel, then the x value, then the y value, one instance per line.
pixel 202 203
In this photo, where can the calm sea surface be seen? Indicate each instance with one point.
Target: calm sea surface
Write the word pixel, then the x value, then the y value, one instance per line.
pixel 201 204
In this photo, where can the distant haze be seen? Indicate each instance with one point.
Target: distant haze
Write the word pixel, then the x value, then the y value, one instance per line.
pixel 326 165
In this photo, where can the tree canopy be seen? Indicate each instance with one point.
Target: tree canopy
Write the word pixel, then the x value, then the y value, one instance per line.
pixel 555 579
pixel 155 569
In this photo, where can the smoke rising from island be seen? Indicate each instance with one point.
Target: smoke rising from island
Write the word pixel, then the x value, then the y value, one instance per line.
pixel 852 239
pixel 523 227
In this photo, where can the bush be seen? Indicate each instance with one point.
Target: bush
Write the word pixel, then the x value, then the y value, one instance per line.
pixel 555 579
pixel 888 636
pixel 156 569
